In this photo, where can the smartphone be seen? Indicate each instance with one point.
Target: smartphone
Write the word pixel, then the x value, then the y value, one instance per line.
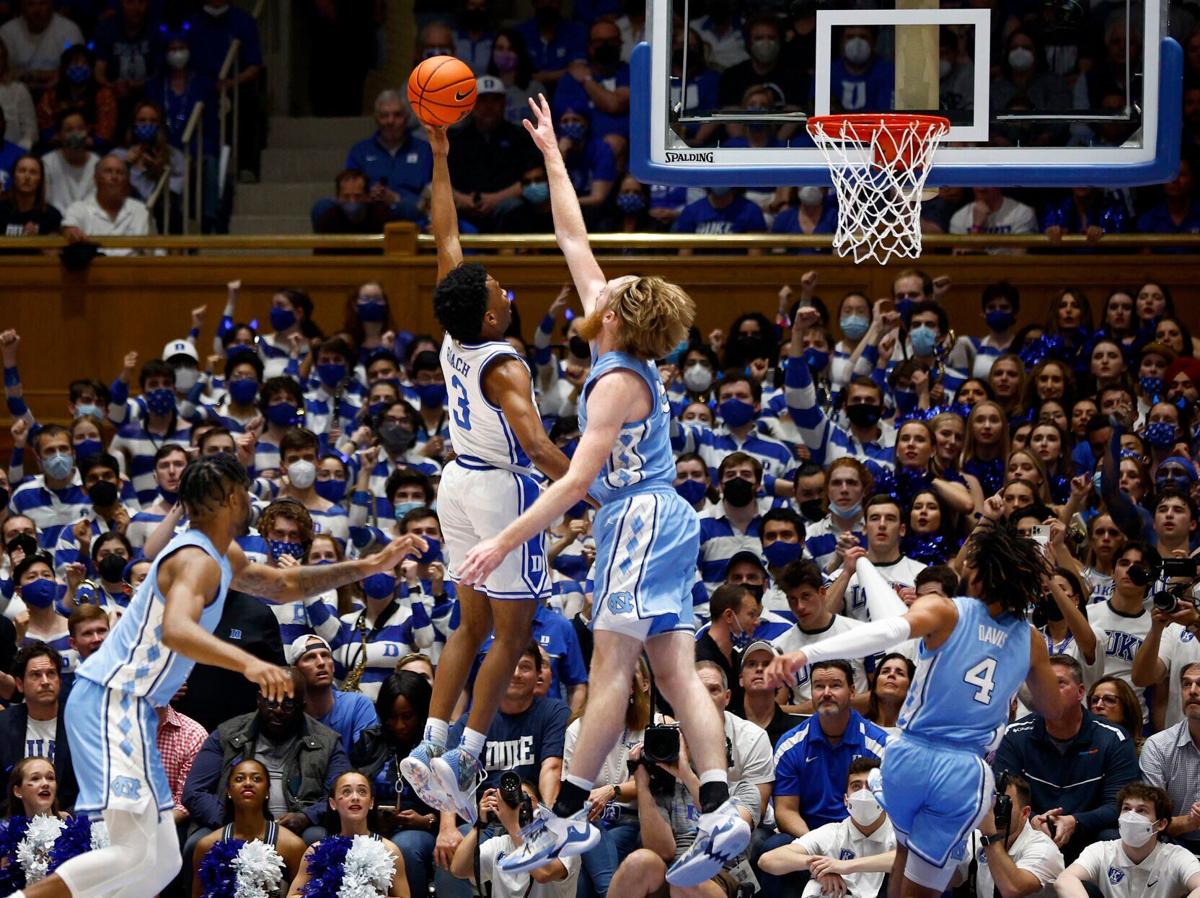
pixel 1040 534
pixel 386 808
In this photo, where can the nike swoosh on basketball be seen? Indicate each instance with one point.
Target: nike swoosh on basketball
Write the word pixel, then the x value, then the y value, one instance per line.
pixel 459 96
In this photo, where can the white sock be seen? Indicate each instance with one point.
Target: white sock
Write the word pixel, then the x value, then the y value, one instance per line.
pixel 714 776
pixel 472 742
pixel 436 732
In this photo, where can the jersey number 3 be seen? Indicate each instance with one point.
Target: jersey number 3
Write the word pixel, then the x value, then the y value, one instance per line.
pixel 462 414
pixel 982 675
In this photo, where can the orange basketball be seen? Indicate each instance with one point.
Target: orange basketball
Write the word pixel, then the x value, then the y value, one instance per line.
pixel 441 90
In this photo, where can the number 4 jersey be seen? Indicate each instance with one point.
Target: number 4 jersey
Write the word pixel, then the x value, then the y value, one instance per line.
pixel 962 689
pixel 478 430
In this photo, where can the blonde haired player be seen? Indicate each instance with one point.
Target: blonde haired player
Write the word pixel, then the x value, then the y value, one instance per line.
pixel 647 539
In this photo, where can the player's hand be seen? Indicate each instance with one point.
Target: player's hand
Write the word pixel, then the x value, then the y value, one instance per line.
pixel 783 669
pixel 543 131
pixel 394 552
pixel 481 561
pixel 275 683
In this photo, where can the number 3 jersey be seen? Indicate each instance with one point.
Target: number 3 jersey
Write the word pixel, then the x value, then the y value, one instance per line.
pixel 478 430
pixel 962 689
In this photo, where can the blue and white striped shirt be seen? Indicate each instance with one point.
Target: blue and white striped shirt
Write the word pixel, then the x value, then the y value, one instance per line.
pixel 135 447
pixel 51 510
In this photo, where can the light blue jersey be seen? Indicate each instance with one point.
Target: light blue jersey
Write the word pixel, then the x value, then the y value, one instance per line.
pixel 960 695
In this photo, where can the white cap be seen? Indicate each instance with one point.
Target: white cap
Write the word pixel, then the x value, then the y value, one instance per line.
pixel 489 84
pixel 180 347
pixel 302 645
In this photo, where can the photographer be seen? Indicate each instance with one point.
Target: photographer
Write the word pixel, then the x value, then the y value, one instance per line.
pixel 1171 643
pixel 557 879
pixel 1007 856
pixel 1171 760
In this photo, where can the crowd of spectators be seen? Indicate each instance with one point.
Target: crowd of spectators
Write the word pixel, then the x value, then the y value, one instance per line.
pixel 832 430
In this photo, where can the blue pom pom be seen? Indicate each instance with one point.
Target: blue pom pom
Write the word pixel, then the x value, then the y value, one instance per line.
pixel 218 878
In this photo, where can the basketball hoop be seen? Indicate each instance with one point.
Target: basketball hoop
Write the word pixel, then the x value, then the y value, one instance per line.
pixel 879 165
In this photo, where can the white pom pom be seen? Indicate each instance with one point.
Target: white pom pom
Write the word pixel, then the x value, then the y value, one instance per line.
pixel 368 869
pixel 33 854
pixel 259 870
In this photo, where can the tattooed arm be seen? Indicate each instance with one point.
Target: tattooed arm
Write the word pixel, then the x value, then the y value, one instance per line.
pixel 290 584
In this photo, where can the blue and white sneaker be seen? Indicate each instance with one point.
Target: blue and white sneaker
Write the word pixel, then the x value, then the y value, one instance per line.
pixel 722 836
pixel 458 776
pixel 549 837
pixel 417 773
pixel 875 784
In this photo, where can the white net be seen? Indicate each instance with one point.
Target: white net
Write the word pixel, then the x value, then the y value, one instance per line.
pixel 879 165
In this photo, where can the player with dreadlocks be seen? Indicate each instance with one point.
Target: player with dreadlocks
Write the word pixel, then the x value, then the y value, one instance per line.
pixel 111 720
pixel 975 652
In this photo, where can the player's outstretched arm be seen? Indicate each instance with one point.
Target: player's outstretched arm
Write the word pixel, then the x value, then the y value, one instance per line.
pixel 443 215
pixel 1043 681
pixel 569 228
pixel 507 384
pixel 292 584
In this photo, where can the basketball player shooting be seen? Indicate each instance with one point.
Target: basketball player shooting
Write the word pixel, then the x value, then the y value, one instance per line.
pixel 646 544
pixel 975 652
pixel 111 720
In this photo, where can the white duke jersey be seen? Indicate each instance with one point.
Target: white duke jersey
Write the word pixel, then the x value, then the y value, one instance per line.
pixel 478 430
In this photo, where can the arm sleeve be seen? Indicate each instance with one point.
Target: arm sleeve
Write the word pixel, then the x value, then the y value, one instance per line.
pixel 876 636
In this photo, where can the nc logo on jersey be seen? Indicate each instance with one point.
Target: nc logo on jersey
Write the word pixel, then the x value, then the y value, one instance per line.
pixel 126 787
pixel 620 603
pixel 1115 875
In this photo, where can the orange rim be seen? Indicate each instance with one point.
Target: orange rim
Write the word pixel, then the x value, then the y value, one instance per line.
pixel 884 130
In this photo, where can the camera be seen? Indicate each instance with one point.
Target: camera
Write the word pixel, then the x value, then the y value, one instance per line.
pixel 1044 611
pixel 514 796
pixel 1140 575
pixel 1179 567
pixel 661 744
pixel 1167 600
pixel 1002 810
pixel 662 783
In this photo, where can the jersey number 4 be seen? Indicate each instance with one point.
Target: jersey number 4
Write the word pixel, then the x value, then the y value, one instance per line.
pixel 982 675
pixel 462 414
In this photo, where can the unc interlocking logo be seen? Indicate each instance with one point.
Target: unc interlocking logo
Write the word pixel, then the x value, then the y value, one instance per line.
pixel 126 787
pixel 1115 875
pixel 620 602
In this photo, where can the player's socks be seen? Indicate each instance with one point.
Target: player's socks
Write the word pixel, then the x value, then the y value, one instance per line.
pixel 472 742
pixel 436 732
pixel 572 795
pixel 714 790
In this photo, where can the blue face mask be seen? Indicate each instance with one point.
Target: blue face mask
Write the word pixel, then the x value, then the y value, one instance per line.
pixel 433 553
pixel 1151 386
pixel 1161 434
pixel 536 192
pixel 741 638
pixel 854 327
pixel 572 130
pixel 331 375
pixel 780 553
pixel 87 408
pixel 39 593
pixel 375 409
pixel 400 510
pixel 846 512
pixel 924 339
pixel 817 359
pixel 431 395
pixel 631 203
pixel 79 73
pixel 161 401
pixel 906 401
pixel 146 132
pixel 84 448
pixel 355 210
pixel 371 312
pixel 1000 320
pixel 379 586
pixel 691 490
pixel 281 318
pixel 905 307
pixel 735 412
pixel 243 392
pixel 280 547
pixel 282 414
pixel 331 490
pixel 59 465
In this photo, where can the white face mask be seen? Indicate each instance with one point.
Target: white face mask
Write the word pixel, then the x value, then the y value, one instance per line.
pixel 178 59
pixel 697 377
pixel 1020 58
pixel 864 809
pixel 185 378
pixel 945 67
pixel 1135 829
pixel 857 50
pixel 216 10
pixel 811 196
pixel 302 474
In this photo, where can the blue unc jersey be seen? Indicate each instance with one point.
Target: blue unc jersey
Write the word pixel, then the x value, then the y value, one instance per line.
pixel 133 661
pixel 641 459
pixel 961 691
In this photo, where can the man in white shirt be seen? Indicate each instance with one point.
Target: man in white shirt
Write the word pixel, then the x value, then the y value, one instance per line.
pixel 1137 865
pixel 111 211
pixel 884 519
pixel 993 213
pixel 71 169
pixel 1015 858
pixel 35 40
pixel 849 857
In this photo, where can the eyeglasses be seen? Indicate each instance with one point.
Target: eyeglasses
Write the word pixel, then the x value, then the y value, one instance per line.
pixel 287 705
pixel 1105 700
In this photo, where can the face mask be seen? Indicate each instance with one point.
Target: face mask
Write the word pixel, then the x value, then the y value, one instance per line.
pixel 39 593
pixel 302 474
pixel 1020 58
pixel 857 50
pixel 282 414
pixel 854 327
pixel 1000 320
pixel 78 73
pixel 697 378
pixel 76 140
pixel 146 132
pixel 431 395
pixel 816 359
pixel 923 338
pixel 331 490
pixel 161 401
pixel 84 448
pixel 536 192
pixel 811 196
pixel 846 512
pixel 178 59
pixel 906 401
pixel 354 210
pixel 608 54
pixel 403 508
pixel 59 466
pixel 102 493
pixel 87 408
pixel 692 491
pixel 1135 829
pixel 395 437
pixel 1151 386
pixel 781 553
pixel 631 203
pixel 281 318
pixel 864 415
pixel 216 10
pixel 331 375
pixel 864 809
pixel 433 553
pixel 812 509
pixel 23 543
pixel 506 60
pixel 111 568
pixel 371 312
pixel 741 638
pixel 738 492
pixel 186 378
pixel 280 547
pixel 243 392
pixel 1161 434
pixel 719 193
pixel 765 51
pixel 572 130
pixel 735 412
pixel 379 586
pixel 945 67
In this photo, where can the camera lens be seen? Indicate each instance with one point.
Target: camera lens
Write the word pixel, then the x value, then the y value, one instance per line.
pixel 1166 602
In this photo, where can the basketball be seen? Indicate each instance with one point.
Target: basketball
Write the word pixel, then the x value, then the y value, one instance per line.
pixel 441 90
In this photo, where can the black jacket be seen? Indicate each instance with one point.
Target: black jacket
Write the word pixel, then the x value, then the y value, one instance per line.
pixel 12 749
